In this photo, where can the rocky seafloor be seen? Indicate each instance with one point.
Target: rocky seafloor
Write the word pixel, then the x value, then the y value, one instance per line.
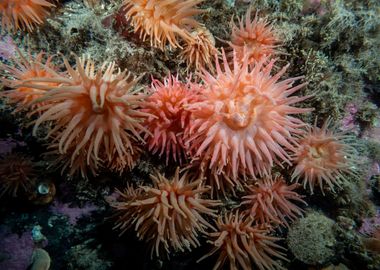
pixel 70 225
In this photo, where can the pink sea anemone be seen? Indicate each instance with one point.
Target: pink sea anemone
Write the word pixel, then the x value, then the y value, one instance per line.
pixel 169 214
pixel 244 123
pixel 168 117
pixel 163 21
pixel 94 114
pixel 199 52
pixel 254 39
pixel 243 246
pixel 28 67
pixel 323 158
pixel 23 14
pixel 272 201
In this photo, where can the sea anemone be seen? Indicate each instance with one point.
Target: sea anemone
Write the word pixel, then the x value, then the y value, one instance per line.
pixel 222 184
pixel 25 69
pixel 244 122
pixel 169 118
pixel 200 51
pixel 323 157
pixel 17 175
pixel 243 246
pixel 169 214
pixel 23 14
pixel 94 114
pixel 254 39
pixel 271 202
pixel 163 21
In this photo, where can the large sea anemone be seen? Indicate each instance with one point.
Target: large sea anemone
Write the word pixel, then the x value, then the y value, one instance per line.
pixel 94 114
pixel 23 14
pixel 163 21
pixel 324 158
pixel 169 214
pixel 244 123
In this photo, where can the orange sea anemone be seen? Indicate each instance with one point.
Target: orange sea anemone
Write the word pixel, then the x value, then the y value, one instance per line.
pixel 242 246
pixel 27 68
pixel 17 175
pixel 271 201
pixel 169 214
pixel 94 114
pixel 199 52
pixel 244 123
pixel 254 39
pixel 163 21
pixel 23 14
pixel 169 118
pixel 323 158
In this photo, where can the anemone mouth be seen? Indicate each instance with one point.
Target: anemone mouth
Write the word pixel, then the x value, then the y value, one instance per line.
pixel 237 120
pixel 238 115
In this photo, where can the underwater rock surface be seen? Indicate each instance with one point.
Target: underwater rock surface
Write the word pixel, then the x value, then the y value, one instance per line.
pixel 189 134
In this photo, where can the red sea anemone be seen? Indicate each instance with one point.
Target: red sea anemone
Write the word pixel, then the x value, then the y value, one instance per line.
pixel 25 69
pixel 254 39
pixel 323 158
pixel 23 14
pixel 163 21
pixel 272 201
pixel 244 123
pixel 242 246
pixel 94 114
pixel 169 214
pixel 17 175
pixel 169 118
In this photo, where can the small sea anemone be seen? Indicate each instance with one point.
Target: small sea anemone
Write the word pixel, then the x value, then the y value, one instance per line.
pixel 163 21
pixel 169 118
pixel 23 14
pixel 222 184
pixel 244 122
pixel 271 202
pixel 199 52
pixel 242 246
pixel 94 114
pixel 169 214
pixel 17 175
pixel 25 69
pixel 323 158
pixel 254 39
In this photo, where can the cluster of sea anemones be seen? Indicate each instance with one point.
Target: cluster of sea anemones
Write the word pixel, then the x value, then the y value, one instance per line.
pixel 234 126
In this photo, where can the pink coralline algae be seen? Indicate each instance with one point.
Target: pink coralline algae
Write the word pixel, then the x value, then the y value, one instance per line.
pixel 15 249
pixel 7 145
pixel 73 213
pixel 349 119
pixel 7 48
pixel 370 225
